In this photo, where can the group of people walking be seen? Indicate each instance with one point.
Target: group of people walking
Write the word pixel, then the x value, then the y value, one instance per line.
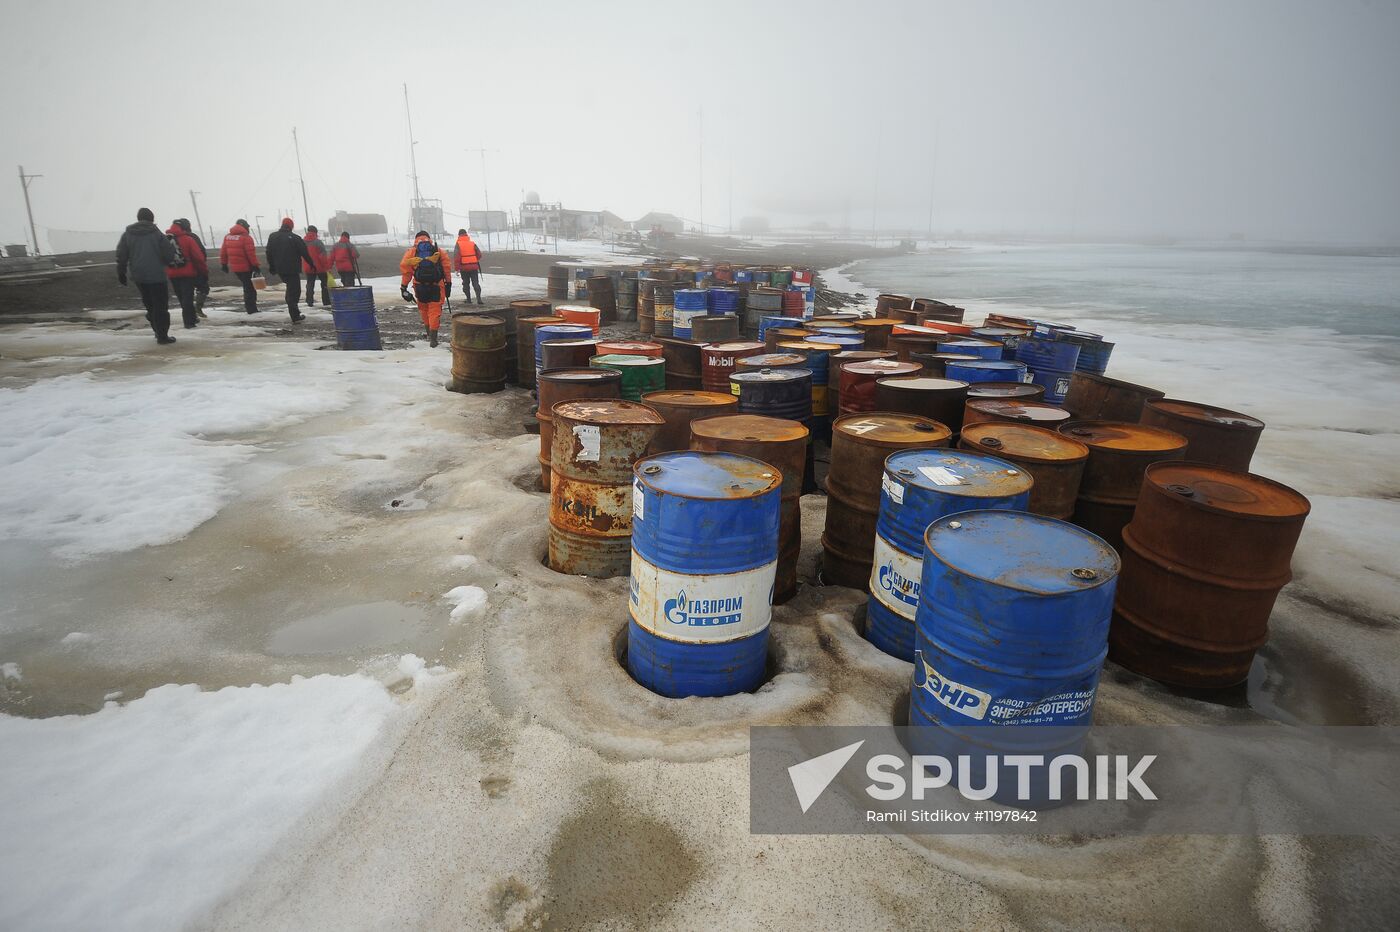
pixel 177 261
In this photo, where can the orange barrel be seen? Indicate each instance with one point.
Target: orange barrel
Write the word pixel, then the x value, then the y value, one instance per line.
pixel 775 335
pixel 525 346
pixel 564 354
pixel 952 329
pixel 682 363
pixel 857 384
pixel 1119 454
pixel 714 328
pixel 859 445
pixel 1099 398
pixel 556 385
pixel 940 400
pixel 1014 410
pixel 876 330
pixel 889 302
pixel 1054 461
pixel 679 409
pixel 778 442
pixel 589 317
pixel 478 354
pixel 841 359
pixel 718 360
pixel 1214 435
pixel 628 348
pixel 1204 558
pixel 595 445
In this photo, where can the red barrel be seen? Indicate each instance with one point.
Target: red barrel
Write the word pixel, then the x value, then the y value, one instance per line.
pixel 858 381
pixel 717 360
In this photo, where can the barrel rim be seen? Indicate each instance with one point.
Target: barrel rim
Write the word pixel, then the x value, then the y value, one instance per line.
pixel 999 515
pixel 953 490
pixel 1156 404
pixel 795 431
pixel 1143 430
pixel 775 482
pixel 1082 451
pixel 1162 487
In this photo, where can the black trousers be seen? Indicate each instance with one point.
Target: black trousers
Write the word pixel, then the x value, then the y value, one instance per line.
pixel 347 279
pixel 250 294
pixel 157 300
pixel 293 283
pixel 184 293
pixel 470 279
pixel 311 280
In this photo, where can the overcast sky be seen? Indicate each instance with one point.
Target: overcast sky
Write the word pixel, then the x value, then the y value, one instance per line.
pixel 1272 119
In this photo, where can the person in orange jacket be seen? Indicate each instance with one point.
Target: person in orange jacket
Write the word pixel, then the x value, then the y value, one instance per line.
pixel 430 270
pixel 468 261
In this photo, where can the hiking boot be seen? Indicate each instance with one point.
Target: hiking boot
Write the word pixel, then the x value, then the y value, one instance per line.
pixel 191 326
pixel 165 341
pixel 199 312
pixel 432 338
pixel 299 318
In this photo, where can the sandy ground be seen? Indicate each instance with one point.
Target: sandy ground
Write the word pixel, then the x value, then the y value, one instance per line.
pixel 538 786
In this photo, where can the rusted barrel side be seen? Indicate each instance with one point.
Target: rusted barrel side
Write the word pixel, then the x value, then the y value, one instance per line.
pixel 781 443
pixel 558 282
pixel 646 305
pixel 1203 562
pixel 714 328
pixel 525 345
pixel 628 348
pixel 857 382
pixel 682 363
pixel 1054 461
pixel 843 358
pixel 1214 435
pixel 891 302
pixel 1098 398
pixel 602 296
pixel 478 354
pixel 859 445
pixel 509 314
pixel 595 445
pixel 940 400
pixel 776 335
pixel 567 354
pixel 572 384
pixel 679 409
pixel 1119 454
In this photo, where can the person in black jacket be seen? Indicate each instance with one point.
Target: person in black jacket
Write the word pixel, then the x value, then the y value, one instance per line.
pixel 285 253
pixel 146 253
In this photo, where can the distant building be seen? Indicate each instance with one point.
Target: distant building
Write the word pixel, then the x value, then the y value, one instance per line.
pixel 426 215
pixel 557 220
pixel 655 221
pixel 487 221
pixel 357 224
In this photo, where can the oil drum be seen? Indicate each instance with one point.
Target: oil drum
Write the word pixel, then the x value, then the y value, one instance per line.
pixel 640 374
pixel 714 328
pixel 1098 398
pixel 717 360
pixel 1024 391
pixel 1054 461
pixel 838 360
pixel 935 364
pixel 525 346
pixel 678 409
pixel 1214 435
pixel 817 356
pixel 628 348
pixel 556 385
pixel 1119 454
pixel 858 381
pixel 563 354
pixel 478 354
pixel 876 331
pixel 940 400
pixel 589 317
pixel 682 363
pixel 1013 410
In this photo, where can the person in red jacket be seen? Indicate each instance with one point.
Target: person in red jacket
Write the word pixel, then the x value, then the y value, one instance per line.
pixel 184 277
pixel 346 259
pixel 318 269
pixel 430 271
pixel 240 254
pixel 468 259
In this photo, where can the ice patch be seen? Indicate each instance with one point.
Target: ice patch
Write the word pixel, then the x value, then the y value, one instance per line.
pixel 461 561
pixel 76 638
pixel 11 671
pixel 465 600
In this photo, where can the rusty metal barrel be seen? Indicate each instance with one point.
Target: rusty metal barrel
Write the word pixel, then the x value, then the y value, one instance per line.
pixel 646 305
pixel 718 360
pixel 941 400
pixel 602 296
pixel 1015 410
pixel 907 344
pixel 565 354
pixel 1054 461
pixel 857 381
pixel 478 354
pixel 508 315
pixel 682 363
pixel 572 384
pixel 663 305
pixel 778 442
pixel 679 409
pixel 628 348
pixel 776 335
pixel 1098 398
pixel 714 328
pixel 525 346
pixel 1214 435
pixel 1119 454
pixel 1204 559
pixel 1024 391
pixel 936 364
pixel 876 331
pixel 892 302
pixel 558 282
pixel 842 359
pixel 595 445
pixel 859 445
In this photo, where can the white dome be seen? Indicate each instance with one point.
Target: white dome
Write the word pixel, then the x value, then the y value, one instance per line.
pixel 532 197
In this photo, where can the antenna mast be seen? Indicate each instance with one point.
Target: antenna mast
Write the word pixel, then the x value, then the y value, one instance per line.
pixel 306 211
pixel 412 157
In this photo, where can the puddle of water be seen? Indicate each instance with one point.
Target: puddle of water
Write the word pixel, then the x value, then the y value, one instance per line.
pixel 372 625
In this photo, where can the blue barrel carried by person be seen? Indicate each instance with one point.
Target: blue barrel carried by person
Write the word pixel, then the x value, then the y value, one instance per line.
pixel 690 303
pixel 1010 634
pixel 985 370
pixel 704 561
pixel 723 300
pixel 557 332
pixel 1051 363
pixel 356 327
pixel 917 488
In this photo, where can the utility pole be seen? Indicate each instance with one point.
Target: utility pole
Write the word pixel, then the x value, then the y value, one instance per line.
pixel 199 224
pixel 485 194
pixel 24 183
pixel 700 151
pixel 257 221
pixel 412 157
pixel 306 211
pixel 731 198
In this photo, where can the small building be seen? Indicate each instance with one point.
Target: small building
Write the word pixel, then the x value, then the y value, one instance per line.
pixel 557 220
pixel 356 224
pixel 659 222
pixel 426 214
pixel 487 221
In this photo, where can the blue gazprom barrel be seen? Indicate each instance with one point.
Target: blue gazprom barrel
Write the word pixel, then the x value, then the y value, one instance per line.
pixel 352 309
pixel 982 349
pixel 689 304
pixel 704 560
pixel 556 332
pixel 917 488
pixel 723 300
pixel 985 370
pixel 1051 363
pixel 581 277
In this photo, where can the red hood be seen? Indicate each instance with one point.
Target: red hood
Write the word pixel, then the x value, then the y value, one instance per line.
pixel 175 230
pixel 309 237
pixel 238 228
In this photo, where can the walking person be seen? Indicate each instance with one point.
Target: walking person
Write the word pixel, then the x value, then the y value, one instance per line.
pixel 240 254
pixel 346 259
pixel 201 281
pixel 285 254
pixel 185 274
pixel 426 266
pixel 468 259
pixel 317 269
pixel 146 253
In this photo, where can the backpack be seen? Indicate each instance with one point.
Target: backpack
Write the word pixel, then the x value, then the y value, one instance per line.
pixel 179 261
pixel 428 271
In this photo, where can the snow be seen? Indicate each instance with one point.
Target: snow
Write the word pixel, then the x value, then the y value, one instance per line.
pixel 141 816
pixel 76 639
pixel 466 600
pixel 11 671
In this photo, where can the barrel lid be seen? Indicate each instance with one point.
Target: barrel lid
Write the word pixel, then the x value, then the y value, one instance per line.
pixel 770 360
pixel 785 374
pixel 881 427
pixel 749 427
pixel 995 365
pixel 882 367
pixel 798 333
pixel 837 330
pixel 569 342
pixel 846 357
pixel 617 359
pixel 1004 390
pixel 575 308
pixel 733 346
pixel 995 332
pixel 564 328
pixel 630 345
pixel 1024 442
pixel 685 399
pixel 1020 410
pixel 836 319
pixel 948 357
pixel 693 474
pixel 873 322
pixel 477 320
pixel 578 375
pixel 1022 551
pixel 919 330
pixel 958 472
pixel 810 345
pixel 1120 435
pixel 1220 489
pixel 539 321
pixel 1205 414
pixel 607 411
pixel 922 383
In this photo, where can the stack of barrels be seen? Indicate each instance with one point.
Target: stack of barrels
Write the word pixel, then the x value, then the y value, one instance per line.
pixel 478 354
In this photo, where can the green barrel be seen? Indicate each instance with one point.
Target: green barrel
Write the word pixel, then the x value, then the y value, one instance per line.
pixel 640 374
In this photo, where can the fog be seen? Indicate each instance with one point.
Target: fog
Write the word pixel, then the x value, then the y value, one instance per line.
pixel 1270 120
